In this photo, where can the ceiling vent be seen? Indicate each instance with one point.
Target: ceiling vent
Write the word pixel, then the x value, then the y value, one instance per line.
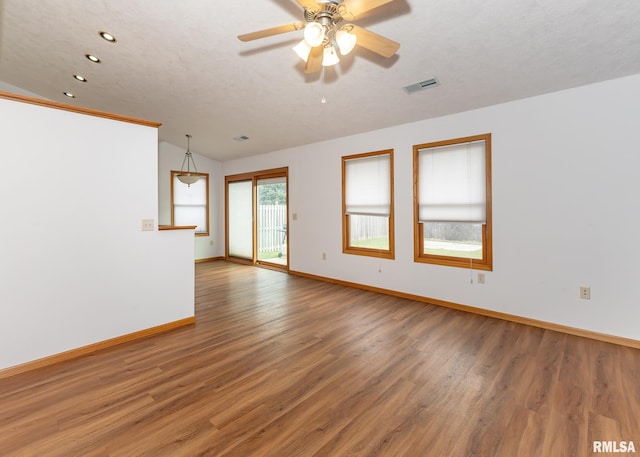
pixel 241 138
pixel 422 85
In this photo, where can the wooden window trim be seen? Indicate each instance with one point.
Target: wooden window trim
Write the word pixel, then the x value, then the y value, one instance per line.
pixel 486 263
pixel 205 175
pixel 346 247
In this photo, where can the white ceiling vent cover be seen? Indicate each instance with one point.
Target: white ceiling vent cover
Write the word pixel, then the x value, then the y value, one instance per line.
pixel 422 85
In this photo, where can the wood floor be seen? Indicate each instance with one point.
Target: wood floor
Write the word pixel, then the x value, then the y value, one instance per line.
pixel 281 366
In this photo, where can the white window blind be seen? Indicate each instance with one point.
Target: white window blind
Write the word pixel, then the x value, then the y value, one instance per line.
pixel 368 185
pixel 190 204
pixel 452 183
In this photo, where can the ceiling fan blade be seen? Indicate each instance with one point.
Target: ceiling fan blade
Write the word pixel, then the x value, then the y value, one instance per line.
pixel 357 7
pixel 272 31
pixel 374 42
pixel 308 4
pixel 314 61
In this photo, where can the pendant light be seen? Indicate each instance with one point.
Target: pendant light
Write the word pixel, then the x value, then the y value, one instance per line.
pixel 188 177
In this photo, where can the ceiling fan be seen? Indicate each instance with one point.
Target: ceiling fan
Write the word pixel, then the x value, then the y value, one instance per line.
pixel 324 30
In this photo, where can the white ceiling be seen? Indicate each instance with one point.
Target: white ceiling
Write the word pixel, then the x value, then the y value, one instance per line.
pixel 180 63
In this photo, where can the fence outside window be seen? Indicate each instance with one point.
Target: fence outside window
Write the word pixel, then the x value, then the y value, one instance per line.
pixel 272 228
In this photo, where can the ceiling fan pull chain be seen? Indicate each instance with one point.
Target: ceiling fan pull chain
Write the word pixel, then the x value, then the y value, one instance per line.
pixel 323 100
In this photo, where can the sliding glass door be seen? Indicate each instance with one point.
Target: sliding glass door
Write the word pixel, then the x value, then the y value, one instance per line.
pixel 256 209
pixel 240 219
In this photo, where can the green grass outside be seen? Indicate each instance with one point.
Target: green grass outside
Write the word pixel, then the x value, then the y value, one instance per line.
pixel 383 243
pixel 475 254
pixel 450 253
pixel 268 255
pixel 373 243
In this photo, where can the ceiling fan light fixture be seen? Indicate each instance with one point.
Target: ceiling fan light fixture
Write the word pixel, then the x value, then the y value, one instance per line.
pixel 346 41
pixel 324 24
pixel 303 50
pixel 314 34
pixel 329 56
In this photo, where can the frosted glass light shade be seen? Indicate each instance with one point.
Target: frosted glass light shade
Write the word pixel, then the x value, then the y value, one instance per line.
pixel 303 50
pixel 329 56
pixel 346 41
pixel 188 178
pixel 314 34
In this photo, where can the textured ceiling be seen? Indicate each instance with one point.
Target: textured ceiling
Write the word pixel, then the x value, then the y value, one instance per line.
pixel 180 63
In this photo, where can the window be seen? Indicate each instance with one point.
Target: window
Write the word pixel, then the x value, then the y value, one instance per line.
pixel 452 195
pixel 190 203
pixel 367 203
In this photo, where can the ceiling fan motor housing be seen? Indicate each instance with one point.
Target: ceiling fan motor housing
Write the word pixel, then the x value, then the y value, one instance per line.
pixel 329 15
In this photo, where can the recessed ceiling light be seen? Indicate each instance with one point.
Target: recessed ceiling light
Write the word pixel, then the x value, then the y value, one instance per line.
pixel 69 94
pixel 107 36
pixel 92 58
pixel 80 78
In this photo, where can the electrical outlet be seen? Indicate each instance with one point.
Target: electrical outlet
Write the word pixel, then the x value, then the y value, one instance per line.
pixel 585 293
pixel 324 256
pixel 147 225
pixel 480 278
pixel 211 243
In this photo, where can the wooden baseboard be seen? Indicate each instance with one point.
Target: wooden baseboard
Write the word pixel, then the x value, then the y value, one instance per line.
pixel 484 312
pixel 84 350
pixel 209 259
pixel 238 260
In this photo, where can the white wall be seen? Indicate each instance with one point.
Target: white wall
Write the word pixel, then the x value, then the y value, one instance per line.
pixel 565 208
pixel 75 266
pixel 170 157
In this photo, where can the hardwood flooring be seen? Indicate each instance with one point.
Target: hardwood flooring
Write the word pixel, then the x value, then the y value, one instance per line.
pixel 279 365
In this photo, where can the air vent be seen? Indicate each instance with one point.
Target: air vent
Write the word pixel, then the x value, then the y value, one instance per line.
pixel 241 138
pixel 412 88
